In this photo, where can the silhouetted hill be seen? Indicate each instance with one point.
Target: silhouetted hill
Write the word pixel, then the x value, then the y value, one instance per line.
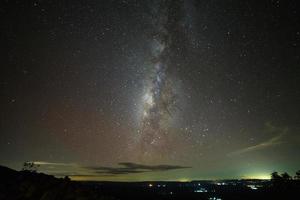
pixel 25 185
pixel 7 172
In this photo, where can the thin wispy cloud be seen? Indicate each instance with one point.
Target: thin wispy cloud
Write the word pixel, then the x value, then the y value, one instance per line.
pixel 124 168
pixel 273 141
pixel 130 168
pixel 53 163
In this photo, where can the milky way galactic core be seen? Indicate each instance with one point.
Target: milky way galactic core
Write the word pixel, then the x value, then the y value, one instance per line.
pixel 159 100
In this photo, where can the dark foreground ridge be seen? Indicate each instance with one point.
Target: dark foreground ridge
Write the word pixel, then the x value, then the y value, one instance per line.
pixel 23 185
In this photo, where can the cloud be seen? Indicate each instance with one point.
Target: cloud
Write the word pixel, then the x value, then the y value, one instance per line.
pixel 125 168
pixel 52 163
pixel 130 168
pixel 273 141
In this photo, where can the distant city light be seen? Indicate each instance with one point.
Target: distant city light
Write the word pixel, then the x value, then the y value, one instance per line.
pixel 253 187
pixel 222 183
pixel 200 190
pixel 184 180
pixel 259 176
pixel 214 198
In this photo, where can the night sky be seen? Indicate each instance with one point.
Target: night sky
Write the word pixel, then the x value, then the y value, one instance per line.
pixel 150 90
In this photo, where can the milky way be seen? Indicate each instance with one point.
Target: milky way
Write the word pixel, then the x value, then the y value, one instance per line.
pixel 159 101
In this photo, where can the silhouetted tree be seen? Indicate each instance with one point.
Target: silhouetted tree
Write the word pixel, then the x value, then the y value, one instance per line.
pixel 66 178
pixel 30 166
pixel 285 176
pixel 275 176
pixel 297 176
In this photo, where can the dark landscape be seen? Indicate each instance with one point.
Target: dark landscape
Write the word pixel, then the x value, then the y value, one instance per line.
pixel 19 185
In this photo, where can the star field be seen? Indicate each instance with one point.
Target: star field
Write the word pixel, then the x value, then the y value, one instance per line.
pixel 211 87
